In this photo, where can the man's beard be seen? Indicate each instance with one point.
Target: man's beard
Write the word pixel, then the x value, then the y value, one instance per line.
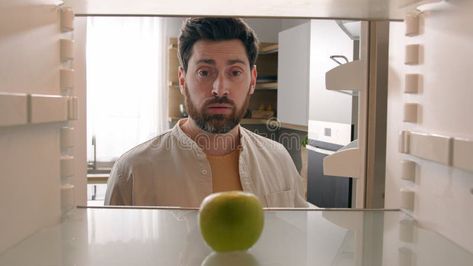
pixel 215 123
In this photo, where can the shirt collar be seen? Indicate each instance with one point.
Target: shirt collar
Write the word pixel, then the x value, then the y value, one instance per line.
pixel 182 137
pixel 188 142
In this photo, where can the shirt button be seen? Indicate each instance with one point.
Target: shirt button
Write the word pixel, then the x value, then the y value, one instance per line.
pixel 204 172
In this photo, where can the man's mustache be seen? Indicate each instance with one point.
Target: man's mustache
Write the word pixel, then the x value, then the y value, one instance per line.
pixel 219 100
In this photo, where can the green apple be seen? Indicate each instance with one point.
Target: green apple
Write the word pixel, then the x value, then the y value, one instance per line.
pixel 231 221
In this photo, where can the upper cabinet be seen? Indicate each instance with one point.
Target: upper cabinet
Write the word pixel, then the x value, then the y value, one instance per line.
pixel 293 75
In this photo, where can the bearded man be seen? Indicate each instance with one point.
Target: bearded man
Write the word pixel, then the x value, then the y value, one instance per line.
pixel 209 151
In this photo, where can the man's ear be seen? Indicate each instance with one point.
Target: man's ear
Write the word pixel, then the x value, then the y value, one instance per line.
pixel 254 75
pixel 181 74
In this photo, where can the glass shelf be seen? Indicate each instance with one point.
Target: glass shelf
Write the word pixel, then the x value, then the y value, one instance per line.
pixel 338 9
pixel 101 236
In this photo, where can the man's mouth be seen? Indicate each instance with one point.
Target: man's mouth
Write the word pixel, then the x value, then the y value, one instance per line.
pixel 220 108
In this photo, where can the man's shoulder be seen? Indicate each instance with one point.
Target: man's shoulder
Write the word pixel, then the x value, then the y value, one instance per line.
pixel 261 141
pixel 148 149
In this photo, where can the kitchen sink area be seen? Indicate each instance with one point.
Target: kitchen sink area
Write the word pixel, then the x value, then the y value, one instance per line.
pixel 97 178
pixel 98 171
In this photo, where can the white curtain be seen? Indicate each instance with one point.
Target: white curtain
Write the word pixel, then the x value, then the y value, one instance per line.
pixel 126 87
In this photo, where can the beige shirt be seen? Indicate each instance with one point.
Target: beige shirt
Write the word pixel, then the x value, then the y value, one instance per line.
pixel 172 170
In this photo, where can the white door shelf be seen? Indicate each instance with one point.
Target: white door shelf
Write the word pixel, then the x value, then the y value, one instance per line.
pixel 344 162
pixel 349 76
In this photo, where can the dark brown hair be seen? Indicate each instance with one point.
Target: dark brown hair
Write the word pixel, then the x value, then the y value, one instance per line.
pixel 216 29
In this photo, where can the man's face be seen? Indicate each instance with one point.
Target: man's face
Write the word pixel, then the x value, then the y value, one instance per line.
pixel 218 84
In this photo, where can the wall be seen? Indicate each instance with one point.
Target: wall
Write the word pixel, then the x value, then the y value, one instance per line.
pixel 173 26
pixel 443 195
pixel 266 29
pixel 29 155
pixel 289 23
pixel 325 105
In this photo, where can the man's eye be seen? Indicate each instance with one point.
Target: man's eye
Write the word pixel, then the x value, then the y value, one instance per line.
pixel 203 73
pixel 236 73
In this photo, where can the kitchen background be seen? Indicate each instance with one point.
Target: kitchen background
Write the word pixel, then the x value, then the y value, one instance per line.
pixel 132 93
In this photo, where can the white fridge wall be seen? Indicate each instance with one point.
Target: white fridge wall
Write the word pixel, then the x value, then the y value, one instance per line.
pixel 29 47
pixel 80 125
pixel 443 195
pixel 29 155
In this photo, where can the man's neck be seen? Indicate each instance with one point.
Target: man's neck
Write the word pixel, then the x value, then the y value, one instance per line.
pixel 212 144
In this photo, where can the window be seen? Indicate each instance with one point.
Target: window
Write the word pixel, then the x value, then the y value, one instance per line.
pixel 126 90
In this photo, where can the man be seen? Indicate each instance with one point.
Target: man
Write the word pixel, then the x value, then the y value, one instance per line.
pixel 209 151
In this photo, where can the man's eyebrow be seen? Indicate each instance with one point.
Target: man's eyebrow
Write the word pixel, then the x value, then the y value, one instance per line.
pixel 206 61
pixel 229 62
pixel 235 61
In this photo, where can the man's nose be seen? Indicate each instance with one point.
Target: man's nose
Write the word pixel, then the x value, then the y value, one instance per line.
pixel 220 86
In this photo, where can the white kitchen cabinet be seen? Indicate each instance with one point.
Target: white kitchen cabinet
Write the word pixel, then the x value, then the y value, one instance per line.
pixel 293 75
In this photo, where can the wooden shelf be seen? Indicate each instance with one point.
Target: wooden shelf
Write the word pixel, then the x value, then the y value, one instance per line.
pixel 97 178
pixel 267 86
pixel 295 127
pixel 269 49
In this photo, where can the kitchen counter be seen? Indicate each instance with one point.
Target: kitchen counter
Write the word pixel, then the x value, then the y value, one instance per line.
pixel 98 178
pixel 150 236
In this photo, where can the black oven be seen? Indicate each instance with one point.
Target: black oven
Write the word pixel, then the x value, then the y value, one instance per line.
pixel 323 190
